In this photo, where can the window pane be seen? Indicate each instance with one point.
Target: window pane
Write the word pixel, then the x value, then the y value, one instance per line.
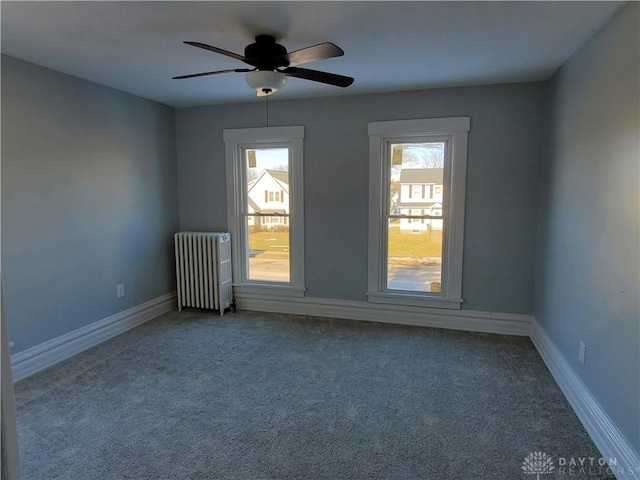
pixel 268 250
pixel 414 257
pixel 268 194
pixel 414 245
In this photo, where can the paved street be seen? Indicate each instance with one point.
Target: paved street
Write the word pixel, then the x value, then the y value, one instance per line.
pixel 401 277
pixel 270 269
pixel 413 277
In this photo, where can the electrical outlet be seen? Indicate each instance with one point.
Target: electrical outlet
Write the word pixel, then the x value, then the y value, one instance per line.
pixel 120 290
pixel 582 351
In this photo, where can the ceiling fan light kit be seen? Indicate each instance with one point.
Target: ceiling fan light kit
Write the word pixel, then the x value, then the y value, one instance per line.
pixel 272 64
pixel 266 82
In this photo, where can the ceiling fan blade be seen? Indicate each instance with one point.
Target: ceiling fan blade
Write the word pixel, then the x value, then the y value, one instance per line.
pixel 213 73
pixel 220 51
pixel 313 53
pixel 317 76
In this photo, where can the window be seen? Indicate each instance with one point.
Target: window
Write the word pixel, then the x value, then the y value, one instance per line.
pixel 415 255
pixel 264 166
pixel 272 196
pixel 273 221
pixel 416 216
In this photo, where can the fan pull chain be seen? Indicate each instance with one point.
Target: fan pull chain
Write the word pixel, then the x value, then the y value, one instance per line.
pixel 267 97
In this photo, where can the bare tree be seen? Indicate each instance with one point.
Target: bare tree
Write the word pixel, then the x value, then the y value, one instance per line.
pixel 423 155
pixel 252 173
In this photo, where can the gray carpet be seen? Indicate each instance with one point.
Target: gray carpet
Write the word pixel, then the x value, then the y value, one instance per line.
pixel 269 396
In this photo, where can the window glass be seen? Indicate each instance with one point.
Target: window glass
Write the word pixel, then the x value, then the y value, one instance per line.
pixel 414 235
pixel 268 234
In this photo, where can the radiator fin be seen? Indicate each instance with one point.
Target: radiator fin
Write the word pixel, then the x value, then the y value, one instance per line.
pixel 203 270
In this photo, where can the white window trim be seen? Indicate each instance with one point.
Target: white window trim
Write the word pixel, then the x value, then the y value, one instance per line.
pixel 457 128
pixel 235 139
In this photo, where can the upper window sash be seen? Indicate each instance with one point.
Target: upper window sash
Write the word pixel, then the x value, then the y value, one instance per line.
pixel 386 164
pixel 242 168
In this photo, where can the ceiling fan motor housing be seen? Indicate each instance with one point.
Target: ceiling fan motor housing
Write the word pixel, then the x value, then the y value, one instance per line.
pixel 272 64
pixel 266 54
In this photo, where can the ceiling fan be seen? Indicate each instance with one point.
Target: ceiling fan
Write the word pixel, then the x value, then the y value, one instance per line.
pixel 272 64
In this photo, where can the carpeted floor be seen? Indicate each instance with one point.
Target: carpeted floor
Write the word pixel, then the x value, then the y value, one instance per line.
pixel 248 396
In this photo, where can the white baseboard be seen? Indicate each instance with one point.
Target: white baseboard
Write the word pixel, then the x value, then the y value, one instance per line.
pixel 475 321
pixel 605 435
pixel 49 353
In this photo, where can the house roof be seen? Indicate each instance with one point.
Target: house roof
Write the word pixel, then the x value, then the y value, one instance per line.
pixel 254 206
pixel 274 210
pixel 279 176
pixel 422 175
pixel 282 177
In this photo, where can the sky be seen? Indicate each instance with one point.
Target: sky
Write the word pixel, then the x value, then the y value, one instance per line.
pixel 269 158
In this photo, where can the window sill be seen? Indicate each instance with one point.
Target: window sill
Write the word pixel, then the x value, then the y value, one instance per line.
pixel 259 290
pixel 414 300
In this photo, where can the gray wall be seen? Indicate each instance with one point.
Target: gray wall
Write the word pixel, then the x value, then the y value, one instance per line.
pixel 89 200
pixel 587 263
pixel 504 153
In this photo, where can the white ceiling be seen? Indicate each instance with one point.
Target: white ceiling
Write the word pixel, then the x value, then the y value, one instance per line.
pixel 137 46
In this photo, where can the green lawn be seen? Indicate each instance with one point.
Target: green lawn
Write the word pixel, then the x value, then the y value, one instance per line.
pixel 269 241
pixel 414 246
pixel 400 244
